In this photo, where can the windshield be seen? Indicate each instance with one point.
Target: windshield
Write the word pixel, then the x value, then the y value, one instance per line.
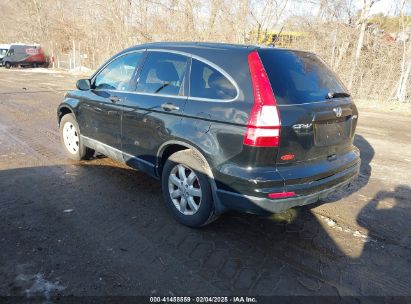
pixel 299 77
pixel 3 52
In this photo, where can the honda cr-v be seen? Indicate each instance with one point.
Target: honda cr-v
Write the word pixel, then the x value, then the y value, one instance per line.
pixel 225 127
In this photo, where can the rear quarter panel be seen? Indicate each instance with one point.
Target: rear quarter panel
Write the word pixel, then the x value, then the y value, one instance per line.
pixel 217 127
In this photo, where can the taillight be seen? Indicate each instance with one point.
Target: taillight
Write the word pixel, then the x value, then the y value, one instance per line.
pixel 263 127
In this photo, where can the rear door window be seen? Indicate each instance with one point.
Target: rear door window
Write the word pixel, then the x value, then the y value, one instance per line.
pixel 298 77
pixel 209 83
pixel 162 73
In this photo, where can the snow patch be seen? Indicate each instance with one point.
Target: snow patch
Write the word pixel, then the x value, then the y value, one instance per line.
pixel 44 287
pixel 37 70
pixel 80 70
pixel 329 221
pixel 39 285
pixel 357 234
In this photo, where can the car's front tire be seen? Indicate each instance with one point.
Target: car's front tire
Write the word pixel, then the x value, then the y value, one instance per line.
pixel 70 139
pixel 186 189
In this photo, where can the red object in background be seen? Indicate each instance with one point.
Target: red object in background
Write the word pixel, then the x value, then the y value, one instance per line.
pixel 35 55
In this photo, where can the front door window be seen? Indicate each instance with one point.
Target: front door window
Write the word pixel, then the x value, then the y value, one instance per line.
pixel 117 75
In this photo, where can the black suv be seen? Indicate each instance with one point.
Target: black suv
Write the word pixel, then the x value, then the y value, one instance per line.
pixel 225 127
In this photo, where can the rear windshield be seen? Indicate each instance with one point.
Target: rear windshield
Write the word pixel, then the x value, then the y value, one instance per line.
pixel 298 77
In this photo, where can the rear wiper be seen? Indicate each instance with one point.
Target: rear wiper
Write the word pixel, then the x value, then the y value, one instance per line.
pixel 331 95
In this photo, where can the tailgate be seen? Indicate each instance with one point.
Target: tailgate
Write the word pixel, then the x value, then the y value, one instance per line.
pixel 312 132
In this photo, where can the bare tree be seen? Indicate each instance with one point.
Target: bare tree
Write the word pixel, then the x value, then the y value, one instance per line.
pixel 362 22
pixel 402 87
pixel 267 15
pixel 329 10
pixel 370 62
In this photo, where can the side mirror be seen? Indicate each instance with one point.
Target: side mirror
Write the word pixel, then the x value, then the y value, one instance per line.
pixel 83 84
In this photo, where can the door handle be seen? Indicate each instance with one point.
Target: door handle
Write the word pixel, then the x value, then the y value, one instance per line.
pixel 114 99
pixel 169 107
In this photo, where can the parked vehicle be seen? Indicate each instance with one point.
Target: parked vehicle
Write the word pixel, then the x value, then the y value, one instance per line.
pixel 24 55
pixel 3 51
pixel 225 127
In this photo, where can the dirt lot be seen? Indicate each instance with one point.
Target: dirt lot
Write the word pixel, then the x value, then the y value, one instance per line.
pixel 99 228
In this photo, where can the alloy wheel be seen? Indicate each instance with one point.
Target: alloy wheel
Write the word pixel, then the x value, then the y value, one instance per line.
pixel 184 189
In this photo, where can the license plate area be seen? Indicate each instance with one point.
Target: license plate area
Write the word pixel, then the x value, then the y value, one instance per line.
pixel 331 132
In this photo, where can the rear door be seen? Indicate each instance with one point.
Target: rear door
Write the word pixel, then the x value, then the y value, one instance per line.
pixel 318 118
pixel 152 114
pixel 99 112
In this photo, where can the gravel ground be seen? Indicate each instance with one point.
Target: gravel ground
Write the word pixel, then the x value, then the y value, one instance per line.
pixel 99 228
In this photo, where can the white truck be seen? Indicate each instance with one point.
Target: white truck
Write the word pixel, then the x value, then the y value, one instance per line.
pixel 4 48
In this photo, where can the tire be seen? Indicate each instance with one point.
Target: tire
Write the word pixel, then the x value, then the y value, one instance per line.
pixel 34 65
pixel 7 65
pixel 70 139
pixel 197 211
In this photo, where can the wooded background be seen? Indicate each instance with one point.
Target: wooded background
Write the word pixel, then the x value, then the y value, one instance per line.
pixel 371 53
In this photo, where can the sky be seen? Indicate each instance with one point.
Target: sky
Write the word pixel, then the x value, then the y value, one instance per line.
pixel 309 8
pixel 387 7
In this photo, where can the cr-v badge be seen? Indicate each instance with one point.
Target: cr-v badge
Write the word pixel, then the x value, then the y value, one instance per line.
pixel 338 111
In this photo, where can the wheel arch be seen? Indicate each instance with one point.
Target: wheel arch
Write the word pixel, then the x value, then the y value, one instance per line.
pixel 172 146
pixel 64 109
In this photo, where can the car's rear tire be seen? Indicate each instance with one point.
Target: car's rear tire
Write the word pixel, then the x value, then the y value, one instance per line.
pixel 186 189
pixel 70 139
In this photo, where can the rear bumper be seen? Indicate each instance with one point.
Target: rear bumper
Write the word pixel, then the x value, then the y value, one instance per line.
pixel 318 190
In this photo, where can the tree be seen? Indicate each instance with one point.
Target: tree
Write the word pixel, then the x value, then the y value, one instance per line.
pixel 267 15
pixel 401 92
pixel 362 23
